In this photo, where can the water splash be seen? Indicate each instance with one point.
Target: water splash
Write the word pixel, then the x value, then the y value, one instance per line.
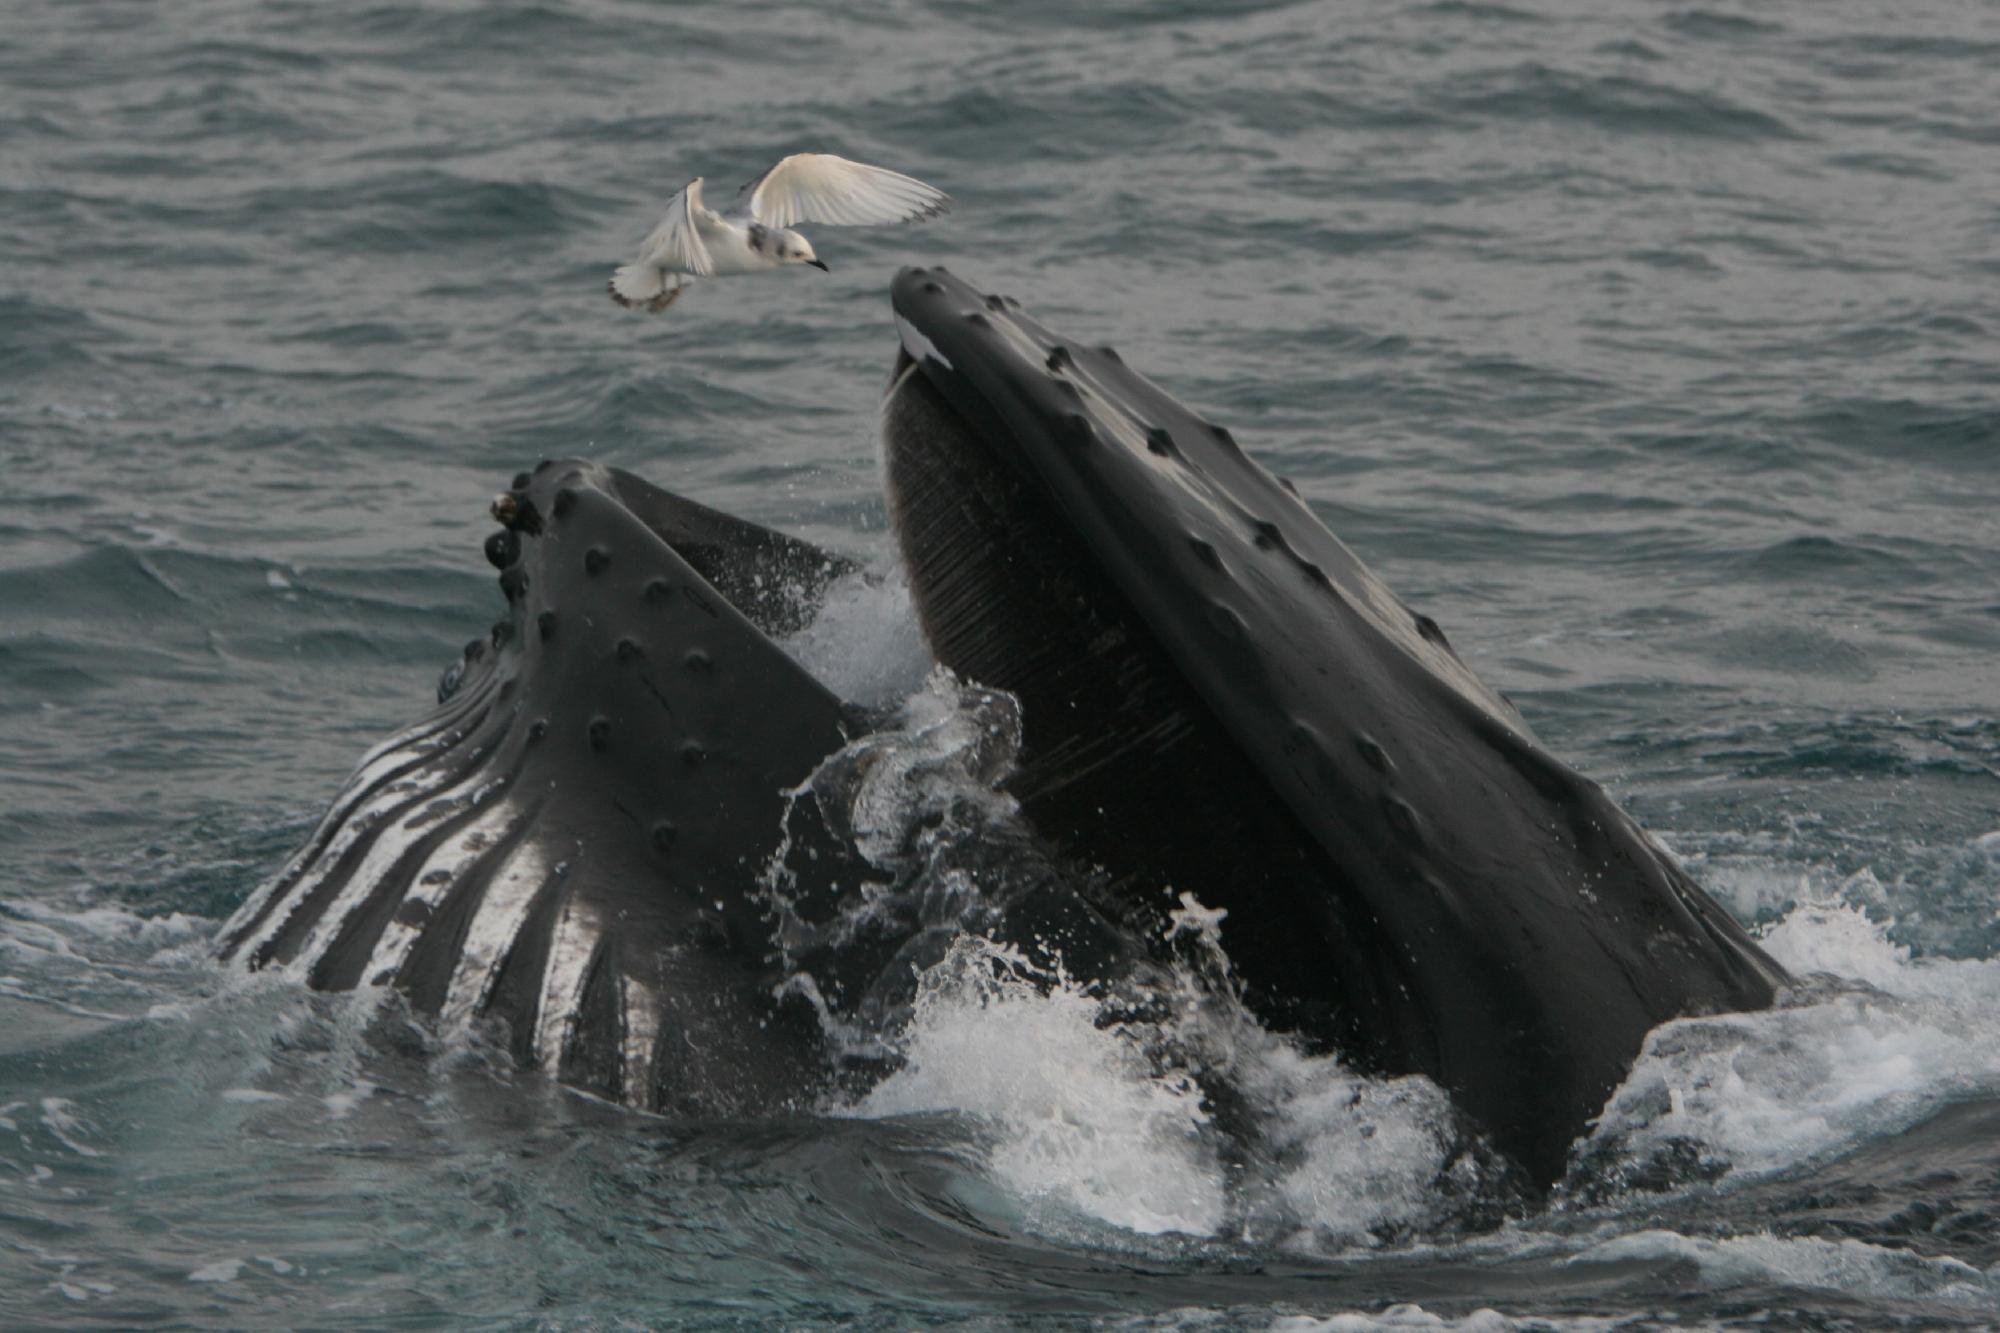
pixel 1082 1121
pixel 1870 1041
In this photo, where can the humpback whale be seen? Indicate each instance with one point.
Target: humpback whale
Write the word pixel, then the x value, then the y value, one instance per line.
pixel 606 842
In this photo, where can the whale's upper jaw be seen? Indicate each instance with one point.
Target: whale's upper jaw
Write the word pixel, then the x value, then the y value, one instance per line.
pixel 1115 450
pixel 1473 909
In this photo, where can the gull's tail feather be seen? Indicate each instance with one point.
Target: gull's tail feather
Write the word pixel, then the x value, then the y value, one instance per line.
pixel 645 287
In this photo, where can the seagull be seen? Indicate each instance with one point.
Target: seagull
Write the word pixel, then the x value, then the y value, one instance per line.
pixel 695 241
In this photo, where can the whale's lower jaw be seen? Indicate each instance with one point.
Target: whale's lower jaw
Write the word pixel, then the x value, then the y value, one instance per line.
pixel 562 847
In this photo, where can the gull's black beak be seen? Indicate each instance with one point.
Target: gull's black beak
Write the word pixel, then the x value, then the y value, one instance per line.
pixel 818 265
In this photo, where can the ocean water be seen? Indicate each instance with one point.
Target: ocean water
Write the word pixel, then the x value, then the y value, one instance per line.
pixel 1652 348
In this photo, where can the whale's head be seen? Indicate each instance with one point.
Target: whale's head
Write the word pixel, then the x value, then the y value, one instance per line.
pixel 1220 699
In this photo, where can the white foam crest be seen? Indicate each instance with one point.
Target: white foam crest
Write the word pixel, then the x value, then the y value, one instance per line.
pixel 916 797
pixel 222 1270
pixel 67 1126
pixel 1851 1266
pixel 1348 1159
pixel 1360 1157
pixel 865 644
pixel 117 923
pixel 99 962
pixel 1105 1117
pixel 1823 935
pixel 13 988
pixel 34 940
pixel 1409 1316
pixel 1872 1041
pixel 1083 1123
pixel 342 1103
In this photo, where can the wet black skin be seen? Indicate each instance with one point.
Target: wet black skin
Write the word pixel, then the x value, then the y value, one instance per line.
pixel 631 699
pixel 1219 697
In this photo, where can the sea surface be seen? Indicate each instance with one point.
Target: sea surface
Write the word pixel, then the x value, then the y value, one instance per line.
pixel 1652 348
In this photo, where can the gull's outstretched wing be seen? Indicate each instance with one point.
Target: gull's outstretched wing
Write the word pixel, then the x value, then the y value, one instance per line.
pixel 675 244
pixel 819 187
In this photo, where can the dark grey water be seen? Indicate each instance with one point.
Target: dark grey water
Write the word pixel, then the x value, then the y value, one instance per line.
pixel 1650 348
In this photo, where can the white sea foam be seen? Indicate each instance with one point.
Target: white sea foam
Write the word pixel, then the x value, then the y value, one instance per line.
pixel 1342 1160
pixel 1416 1317
pixel 98 962
pixel 13 988
pixel 110 922
pixel 341 1104
pixel 1085 1115
pixel 32 941
pixel 1080 1118
pixel 67 1126
pixel 222 1270
pixel 1851 1266
pixel 947 746
pixel 1358 1157
pixel 1106 1119
pixel 1870 1044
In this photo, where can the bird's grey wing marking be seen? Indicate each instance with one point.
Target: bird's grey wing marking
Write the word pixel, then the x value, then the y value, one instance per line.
pixel 819 187
pixel 676 243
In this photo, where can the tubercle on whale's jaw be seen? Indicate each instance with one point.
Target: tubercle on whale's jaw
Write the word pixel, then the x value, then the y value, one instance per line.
pixel 774 580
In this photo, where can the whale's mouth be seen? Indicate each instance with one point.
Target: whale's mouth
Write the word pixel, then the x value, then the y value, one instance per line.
pixel 585 841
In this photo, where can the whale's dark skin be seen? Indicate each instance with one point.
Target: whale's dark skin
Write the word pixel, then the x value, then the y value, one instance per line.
pixel 1219 697
pixel 633 732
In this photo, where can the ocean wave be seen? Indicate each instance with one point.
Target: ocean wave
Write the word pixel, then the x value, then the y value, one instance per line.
pixel 1622 104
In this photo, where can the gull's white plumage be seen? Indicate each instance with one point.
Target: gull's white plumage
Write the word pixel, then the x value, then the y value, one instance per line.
pixel 694 241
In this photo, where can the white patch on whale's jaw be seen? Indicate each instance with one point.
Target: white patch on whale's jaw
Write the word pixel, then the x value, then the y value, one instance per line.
pixel 918 345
